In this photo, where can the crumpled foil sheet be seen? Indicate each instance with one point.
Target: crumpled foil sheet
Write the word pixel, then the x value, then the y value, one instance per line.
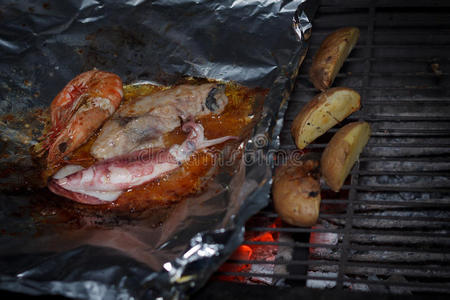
pixel 43 44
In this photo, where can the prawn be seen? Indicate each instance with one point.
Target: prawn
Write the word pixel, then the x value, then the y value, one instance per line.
pixel 78 110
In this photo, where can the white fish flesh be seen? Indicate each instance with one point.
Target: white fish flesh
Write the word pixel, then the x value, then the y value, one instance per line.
pixel 142 123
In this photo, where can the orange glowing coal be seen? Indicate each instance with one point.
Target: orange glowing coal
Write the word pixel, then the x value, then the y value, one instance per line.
pixel 243 252
pixel 249 252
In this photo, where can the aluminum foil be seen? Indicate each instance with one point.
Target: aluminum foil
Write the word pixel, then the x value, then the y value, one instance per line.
pixel 169 254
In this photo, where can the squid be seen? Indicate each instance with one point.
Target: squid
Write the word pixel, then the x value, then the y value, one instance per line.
pixel 105 181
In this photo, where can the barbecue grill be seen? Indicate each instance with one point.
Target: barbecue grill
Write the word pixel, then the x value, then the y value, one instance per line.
pixel 387 231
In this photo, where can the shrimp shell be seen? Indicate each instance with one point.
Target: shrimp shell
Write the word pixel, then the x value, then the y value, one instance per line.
pixel 80 109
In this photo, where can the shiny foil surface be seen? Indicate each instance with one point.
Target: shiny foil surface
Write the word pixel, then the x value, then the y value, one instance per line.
pixel 44 44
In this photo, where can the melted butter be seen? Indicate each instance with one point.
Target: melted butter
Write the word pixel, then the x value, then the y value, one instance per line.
pixel 236 119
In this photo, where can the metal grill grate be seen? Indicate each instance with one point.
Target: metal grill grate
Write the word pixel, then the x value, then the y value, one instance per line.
pixel 388 230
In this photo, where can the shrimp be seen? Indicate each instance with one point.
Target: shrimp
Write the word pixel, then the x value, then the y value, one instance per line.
pixel 79 110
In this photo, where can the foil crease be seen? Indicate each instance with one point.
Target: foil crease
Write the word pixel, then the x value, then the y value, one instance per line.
pixel 43 44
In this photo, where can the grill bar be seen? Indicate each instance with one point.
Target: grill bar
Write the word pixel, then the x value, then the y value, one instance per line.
pixel 375 118
pixel 394 145
pixel 330 262
pixel 407 159
pixel 388 60
pixel 380 74
pixel 354 232
pixel 354 247
pixel 315 47
pixel 416 285
pixel 384 88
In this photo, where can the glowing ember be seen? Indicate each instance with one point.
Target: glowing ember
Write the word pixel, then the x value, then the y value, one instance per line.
pixel 240 260
pixel 242 253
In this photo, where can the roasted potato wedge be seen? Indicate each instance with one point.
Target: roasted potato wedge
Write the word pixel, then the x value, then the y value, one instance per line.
pixel 342 152
pixel 331 55
pixel 323 112
pixel 296 192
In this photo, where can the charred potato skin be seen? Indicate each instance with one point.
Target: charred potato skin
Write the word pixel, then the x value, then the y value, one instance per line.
pixel 301 124
pixel 331 55
pixel 336 153
pixel 296 192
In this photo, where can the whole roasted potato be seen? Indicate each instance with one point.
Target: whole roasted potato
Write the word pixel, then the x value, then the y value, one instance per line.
pixel 342 152
pixel 331 55
pixel 296 192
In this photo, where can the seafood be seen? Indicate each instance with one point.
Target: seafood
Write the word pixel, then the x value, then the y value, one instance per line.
pixel 142 123
pixel 79 109
pixel 108 179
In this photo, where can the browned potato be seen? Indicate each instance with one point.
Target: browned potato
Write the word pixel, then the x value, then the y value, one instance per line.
pixel 323 112
pixel 331 56
pixel 342 152
pixel 296 192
